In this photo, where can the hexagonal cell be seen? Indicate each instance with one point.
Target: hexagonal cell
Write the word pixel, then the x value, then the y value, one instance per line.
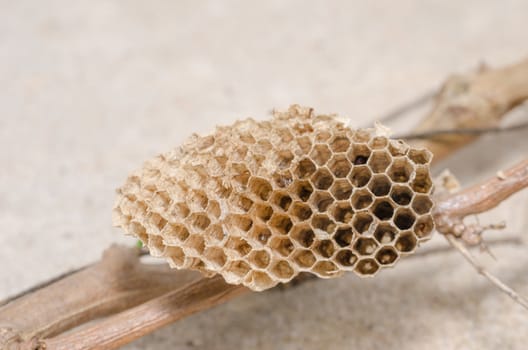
pixel 259 280
pixel 401 194
pixel 325 248
pixel 360 176
pixel 282 270
pixel 238 245
pixel 260 187
pixel 259 258
pixel 300 211
pixel 155 245
pixel 199 221
pixel 239 153
pixel 305 168
pixel 404 218
pixel 386 256
pixel 342 212
pixel 367 267
pixel 424 226
pixel 194 245
pixel 343 236
pixel 422 182
pixel 303 190
pixel 400 170
pixel 323 222
pixel 263 146
pixel 214 208
pixel 284 158
pixel 359 154
pixel 361 199
pixel 263 211
pixel 320 154
pixel 380 185
pixel 341 189
pixel 303 234
pixel 346 258
pixel 304 143
pixel 215 256
pixel 321 200
pixel 280 223
pixel 281 245
pixel 281 199
pixel 242 173
pixel 282 179
pixel 323 136
pixel 156 222
pixel 422 204
pixel 379 161
pixel 197 199
pixel 161 199
pixel 339 143
pixel 259 234
pixel 385 233
pixel 322 179
pixel 383 209
pixel 241 202
pixel 179 210
pixel 339 165
pixel 234 271
pixel 175 256
pixel 362 222
pixel 325 269
pixel 304 258
pixel 398 148
pixel 174 234
pixel 378 142
pixel 420 156
pixel 406 243
pixel 365 246
pixel 238 223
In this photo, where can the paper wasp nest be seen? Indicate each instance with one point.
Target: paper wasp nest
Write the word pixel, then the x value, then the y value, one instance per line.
pixel 260 202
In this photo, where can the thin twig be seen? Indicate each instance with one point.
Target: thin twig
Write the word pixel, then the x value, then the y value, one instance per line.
pixel 461 247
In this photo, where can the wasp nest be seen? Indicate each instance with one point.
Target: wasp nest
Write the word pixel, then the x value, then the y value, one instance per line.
pixel 260 202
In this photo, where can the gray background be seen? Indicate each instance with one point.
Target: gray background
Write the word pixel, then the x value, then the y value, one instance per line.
pixel 89 90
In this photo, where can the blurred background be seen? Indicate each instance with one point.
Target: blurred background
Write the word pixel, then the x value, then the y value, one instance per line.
pixel 91 89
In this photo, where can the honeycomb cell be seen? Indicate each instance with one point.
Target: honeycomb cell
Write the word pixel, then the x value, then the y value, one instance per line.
pixel 365 246
pixel 241 174
pixel 282 179
pixel 322 179
pixel 325 248
pixel 386 256
pixel 263 211
pixel 420 156
pixel 424 227
pixel 340 143
pixel 214 234
pixel 325 269
pixel 323 222
pixel 241 202
pixel 346 258
pixel 280 223
pixel 400 170
pixel 303 234
pixel 362 222
pixel 303 190
pixel 304 258
pixel 366 267
pixel 323 136
pixel 383 209
pixel 281 245
pixel 341 189
pixel 235 271
pixel 422 204
pixel 259 280
pixel 404 219
pixel 406 243
pixel 300 211
pixel 238 224
pixel 342 212
pixel 321 200
pixel 305 144
pixel 422 183
pixel 259 258
pixel 215 256
pixel 401 195
pixel 260 235
pixel 199 221
pixel 305 168
pixel 339 165
pixel 385 233
pixel 179 211
pixel 380 185
pixel 398 148
pixel 359 154
pixel 379 161
pixel 281 199
pixel 360 176
pixel 378 142
pixel 361 199
pixel 343 236
pixel 197 200
pixel 260 187
pixel 282 270
pixel 320 154
pixel 238 245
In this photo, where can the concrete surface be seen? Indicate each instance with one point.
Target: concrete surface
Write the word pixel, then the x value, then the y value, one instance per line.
pixel 89 90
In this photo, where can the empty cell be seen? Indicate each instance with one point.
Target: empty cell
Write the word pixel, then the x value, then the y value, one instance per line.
pixel 422 183
pixel 199 221
pixel 422 204
pixel 386 256
pixel 281 245
pixel 214 234
pixel 282 270
pixel 398 148
pixel 341 189
pixel 197 200
pixel 179 211
pixel 263 211
pixel 342 212
pixel 161 200
pixel 401 194
pixel 260 234
pixel 238 224
pixel 300 211
pixel 400 170
pixel 380 185
pixel 282 179
pixel 234 271
pixel 246 137
pixel 303 234
pixel 175 256
pixel 155 245
pixel 362 222
pixel 241 202
pixel 281 199
pixel 214 208
pixel 367 267
pixel 404 219
pixel 174 234
pixel 239 153
pixel 346 258
pixel 379 161
pixel 263 146
pixel 383 209
pixel 385 233
pixel 260 187
pixel 280 223
pixel 304 258
pixel 304 144
pixel 259 258
pixel 305 168
pixel 320 154
pixel 406 242
pixel 322 136
pixel 241 173
pixel 424 226
pixel 361 135
pixel 156 222
pixel 361 199
pixel 238 245
pixel 359 154
pixel 215 256
pixel 194 245
pixel 323 222
pixel 339 143
pixel 365 246
pixel 343 236
pixel 322 179
pixel 420 156
pixel 303 190
pixel 325 248
pixel 339 165
pixel 360 176
pixel 321 200
pixel 378 142
pixel 325 269
pixel 284 134
pixel 259 280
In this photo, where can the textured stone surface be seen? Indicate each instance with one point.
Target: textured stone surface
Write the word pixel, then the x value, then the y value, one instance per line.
pixel 90 89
